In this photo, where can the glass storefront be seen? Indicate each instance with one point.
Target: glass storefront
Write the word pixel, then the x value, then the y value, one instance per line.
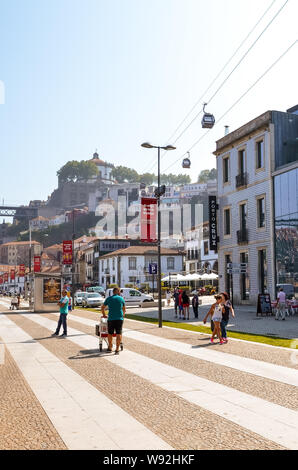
pixel 286 228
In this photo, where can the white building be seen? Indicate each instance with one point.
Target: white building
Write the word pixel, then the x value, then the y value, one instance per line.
pixel 199 257
pixel 39 223
pixel 257 168
pixel 131 265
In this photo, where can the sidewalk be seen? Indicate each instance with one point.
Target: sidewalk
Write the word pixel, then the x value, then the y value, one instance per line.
pixel 245 321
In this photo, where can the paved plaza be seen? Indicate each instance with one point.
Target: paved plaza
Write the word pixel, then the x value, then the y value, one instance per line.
pixel 168 389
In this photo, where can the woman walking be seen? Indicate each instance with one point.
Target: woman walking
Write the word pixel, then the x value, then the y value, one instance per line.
pixel 228 308
pixel 185 304
pixel 195 305
pixel 216 311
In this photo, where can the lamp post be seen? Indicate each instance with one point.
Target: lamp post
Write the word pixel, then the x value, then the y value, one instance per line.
pixel 168 147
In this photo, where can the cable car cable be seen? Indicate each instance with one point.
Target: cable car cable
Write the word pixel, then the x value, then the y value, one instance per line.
pixel 237 101
pixel 233 70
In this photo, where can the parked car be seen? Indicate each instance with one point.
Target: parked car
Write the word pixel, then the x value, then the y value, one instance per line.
pixel 78 298
pixel 98 289
pixel 92 299
pixel 132 296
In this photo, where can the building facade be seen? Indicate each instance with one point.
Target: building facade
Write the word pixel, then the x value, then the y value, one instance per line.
pixel 131 265
pixel 250 165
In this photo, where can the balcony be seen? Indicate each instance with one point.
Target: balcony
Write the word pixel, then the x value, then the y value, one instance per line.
pixel 241 180
pixel 242 236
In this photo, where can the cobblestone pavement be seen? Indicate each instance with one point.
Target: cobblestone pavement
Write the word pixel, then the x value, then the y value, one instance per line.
pixel 278 356
pixel 23 422
pixel 177 421
pixel 246 320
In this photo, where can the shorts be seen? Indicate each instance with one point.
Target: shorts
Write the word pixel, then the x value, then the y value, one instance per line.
pixel 217 319
pixel 115 325
pixel 185 305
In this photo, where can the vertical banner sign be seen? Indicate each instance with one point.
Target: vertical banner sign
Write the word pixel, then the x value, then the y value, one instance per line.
pixel 1 279
pixel 148 219
pixel 5 276
pixel 37 264
pixel 21 270
pixel 212 223
pixel 12 274
pixel 67 252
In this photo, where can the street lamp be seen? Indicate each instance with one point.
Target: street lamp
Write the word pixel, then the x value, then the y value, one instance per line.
pixel 147 145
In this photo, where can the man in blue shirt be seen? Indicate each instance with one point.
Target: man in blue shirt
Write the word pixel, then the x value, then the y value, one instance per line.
pixel 116 306
pixel 63 304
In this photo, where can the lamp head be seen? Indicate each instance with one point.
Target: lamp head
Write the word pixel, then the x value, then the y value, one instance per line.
pixel 146 145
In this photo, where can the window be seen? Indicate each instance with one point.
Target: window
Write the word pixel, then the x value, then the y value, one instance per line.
pixel 241 162
pixel 226 162
pixel 262 261
pixel 132 263
pixel 261 212
pixel 170 263
pixel 260 154
pixel 206 249
pixel 244 279
pixel 243 216
pixel 113 264
pixel 227 222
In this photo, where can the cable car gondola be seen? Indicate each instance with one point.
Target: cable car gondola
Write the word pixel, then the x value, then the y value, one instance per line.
pixel 186 162
pixel 208 119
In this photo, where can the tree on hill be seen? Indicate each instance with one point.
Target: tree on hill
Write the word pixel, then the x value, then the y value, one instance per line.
pixel 123 174
pixel 207 175
pixel 74 170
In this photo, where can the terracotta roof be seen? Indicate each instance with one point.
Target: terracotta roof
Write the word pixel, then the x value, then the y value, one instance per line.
pixel 142 250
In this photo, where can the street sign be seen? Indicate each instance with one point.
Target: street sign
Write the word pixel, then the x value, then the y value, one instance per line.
pixel 153 268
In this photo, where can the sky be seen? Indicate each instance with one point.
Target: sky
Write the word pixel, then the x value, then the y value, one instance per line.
pixel 81 75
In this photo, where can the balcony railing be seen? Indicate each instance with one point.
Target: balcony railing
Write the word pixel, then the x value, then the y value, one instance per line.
pixel 242 236
pixel 241 180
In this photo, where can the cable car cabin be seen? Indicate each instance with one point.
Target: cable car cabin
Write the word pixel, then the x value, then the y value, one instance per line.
pixel 186 163
pixel 208 121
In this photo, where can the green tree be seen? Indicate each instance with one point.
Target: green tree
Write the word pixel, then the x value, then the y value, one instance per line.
pixel 147 178
pixel 207 175
pixel 75 170
pixel 123 174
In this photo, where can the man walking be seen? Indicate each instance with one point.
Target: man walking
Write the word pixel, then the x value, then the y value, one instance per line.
pixel 195 305
pixel 176 301
pixel 63 304
pixel 116 306
pixel 281 305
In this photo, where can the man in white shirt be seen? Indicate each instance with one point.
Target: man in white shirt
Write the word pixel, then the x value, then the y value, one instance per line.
pixel 281 305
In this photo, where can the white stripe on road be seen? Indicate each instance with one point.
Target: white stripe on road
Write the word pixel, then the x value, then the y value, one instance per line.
pixel 83 416
pixel 267 419
pixel 263 369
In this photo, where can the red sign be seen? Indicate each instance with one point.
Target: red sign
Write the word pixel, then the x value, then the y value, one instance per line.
pixel 148 219
pixel 5 276
pixel 37 264
pixel 67 252
pixel 12 274
pixel 21 270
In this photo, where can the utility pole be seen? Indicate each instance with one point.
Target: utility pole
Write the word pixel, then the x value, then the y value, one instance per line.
pixel 73 257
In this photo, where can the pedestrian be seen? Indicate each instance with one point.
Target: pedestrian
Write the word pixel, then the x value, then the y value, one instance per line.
pixel 116 306
pixel 176 301
pixel 215 312
pixel 180 304
pixel 228 308
pixel 19 301
pixel 195 304
pixel 70 303
pixel 281 305
pixel 63 304
pixel 168 297
pixel 185 303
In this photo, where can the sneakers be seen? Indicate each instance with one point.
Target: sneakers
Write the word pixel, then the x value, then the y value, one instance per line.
pixel 211 340
pixel 55 334
pixel 222 341
pixel 63 335
pixel 225 340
